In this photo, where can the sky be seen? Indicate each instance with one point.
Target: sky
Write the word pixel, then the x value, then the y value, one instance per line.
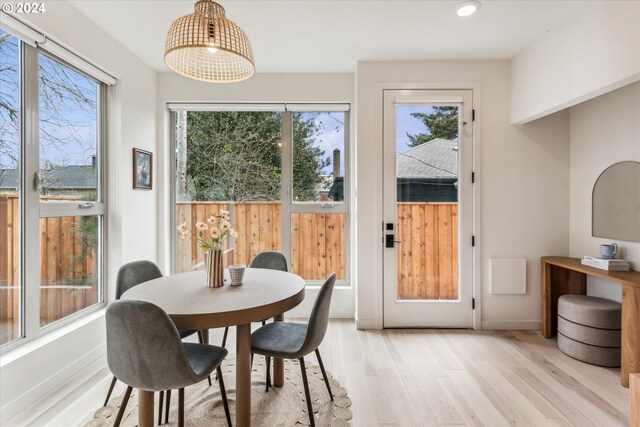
pixel 330 136
pixel 75 144
pixel 405 122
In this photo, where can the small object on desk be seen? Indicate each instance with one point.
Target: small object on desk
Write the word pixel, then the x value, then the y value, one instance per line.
pixel 606 264
pixel 237 273
pixel 609 251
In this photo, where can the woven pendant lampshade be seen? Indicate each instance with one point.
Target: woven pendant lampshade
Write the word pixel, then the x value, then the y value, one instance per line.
pixel 207 46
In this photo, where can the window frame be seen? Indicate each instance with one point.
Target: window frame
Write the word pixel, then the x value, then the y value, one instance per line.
pixel 288 206
pixel 32 209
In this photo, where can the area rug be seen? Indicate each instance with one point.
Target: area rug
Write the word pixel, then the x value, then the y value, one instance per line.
pixel 280 406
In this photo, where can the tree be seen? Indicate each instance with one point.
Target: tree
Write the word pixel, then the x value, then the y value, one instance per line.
pixel 442 123
pixel 67 110
pixel 235 156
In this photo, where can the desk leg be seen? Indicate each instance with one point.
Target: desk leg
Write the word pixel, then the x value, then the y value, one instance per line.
pixel 558 281
pixel 145 410
pixel 278 364
pixel 243 375
pixel 630 361
pixel 634 400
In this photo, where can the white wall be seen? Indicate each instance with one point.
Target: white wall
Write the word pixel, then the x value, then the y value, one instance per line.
pixel 590 54
pixel 524 182
pixel 603 131
pixel 332 88
pixel 47 362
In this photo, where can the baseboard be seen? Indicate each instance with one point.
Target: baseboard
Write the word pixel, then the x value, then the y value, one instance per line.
pixel 365 324
pixel 504 325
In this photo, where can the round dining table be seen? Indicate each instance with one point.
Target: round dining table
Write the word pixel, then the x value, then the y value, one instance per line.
pixel 192 305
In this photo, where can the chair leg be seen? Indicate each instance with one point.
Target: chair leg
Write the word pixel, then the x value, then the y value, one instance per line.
pixel 307 395
pixel 160 402
pixel 224 337
pixel 181 407
pixel 223 393
pixel 113 383
pixel 201 340
pixel 264 322
pixel 123 406
pixel 324 373
pixel 268 371
pixel 166 414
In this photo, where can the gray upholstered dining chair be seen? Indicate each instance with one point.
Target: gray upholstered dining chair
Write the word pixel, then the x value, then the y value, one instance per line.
pixel 154 358
pixel 130 275
pixel 269 260
pixel 287 340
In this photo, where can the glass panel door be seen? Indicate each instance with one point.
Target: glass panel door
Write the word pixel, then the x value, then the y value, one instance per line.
pixel 429 150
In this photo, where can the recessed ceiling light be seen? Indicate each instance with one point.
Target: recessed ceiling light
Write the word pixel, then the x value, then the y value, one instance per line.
pixel 467 8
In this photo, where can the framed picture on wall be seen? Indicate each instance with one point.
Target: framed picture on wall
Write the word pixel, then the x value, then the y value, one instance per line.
pixel 142 169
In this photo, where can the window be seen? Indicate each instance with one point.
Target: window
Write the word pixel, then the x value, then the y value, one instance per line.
pixel 10 161
pixel 52 200
pixel 280 173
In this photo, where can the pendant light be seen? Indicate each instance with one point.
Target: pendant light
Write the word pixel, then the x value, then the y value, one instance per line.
pixel 207 46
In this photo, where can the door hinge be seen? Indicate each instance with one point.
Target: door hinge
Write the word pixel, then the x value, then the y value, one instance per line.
pixel 473 115
pixel 473 303
pixel 473 177
pixel 473 240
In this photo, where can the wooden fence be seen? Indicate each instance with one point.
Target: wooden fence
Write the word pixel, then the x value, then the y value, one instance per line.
pixel 318 245
pixel 62 268
pixel 60 247
pixel 427 258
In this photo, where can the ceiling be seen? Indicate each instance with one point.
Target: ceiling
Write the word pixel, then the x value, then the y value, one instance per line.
pixel 331 36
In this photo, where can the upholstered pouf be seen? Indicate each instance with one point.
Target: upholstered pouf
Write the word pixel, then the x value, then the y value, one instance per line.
pixel 589 329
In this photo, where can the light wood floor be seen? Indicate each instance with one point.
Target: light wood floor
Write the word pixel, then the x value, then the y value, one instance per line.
pixel 421 378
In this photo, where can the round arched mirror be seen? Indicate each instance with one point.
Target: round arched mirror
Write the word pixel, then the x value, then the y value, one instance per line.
pixel 616 202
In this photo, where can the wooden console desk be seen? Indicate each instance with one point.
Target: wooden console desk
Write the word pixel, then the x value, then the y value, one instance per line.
pixel 562 276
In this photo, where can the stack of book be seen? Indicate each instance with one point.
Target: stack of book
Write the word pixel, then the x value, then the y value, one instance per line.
pixel 606 264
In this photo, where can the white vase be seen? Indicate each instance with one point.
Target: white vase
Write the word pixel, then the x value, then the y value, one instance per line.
pixel 214 268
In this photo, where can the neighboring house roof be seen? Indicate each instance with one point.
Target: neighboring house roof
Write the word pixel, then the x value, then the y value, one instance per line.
pixel 65 177
pixel 437 158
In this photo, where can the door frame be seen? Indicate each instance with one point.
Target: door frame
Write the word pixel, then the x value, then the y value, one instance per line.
pixel 428 313
pixel 476 274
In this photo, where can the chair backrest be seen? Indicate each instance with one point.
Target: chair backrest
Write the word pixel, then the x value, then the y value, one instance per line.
pixel 319 317
pixel 270 260
pixel 134 273
pixel 144 349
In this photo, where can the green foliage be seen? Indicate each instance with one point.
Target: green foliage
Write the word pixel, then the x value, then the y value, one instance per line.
pixel 85 233
pixel 308 159
pixel 442 123
pixel 235 156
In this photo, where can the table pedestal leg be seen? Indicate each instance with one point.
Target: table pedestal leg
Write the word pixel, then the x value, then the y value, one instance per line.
pixel 243 375
pixel 278 364
pixel 145 410
pixel 205 336
pixel 630 362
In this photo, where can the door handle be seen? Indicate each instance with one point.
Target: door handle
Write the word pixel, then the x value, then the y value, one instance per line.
pixel 390 241
pixel 36 181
